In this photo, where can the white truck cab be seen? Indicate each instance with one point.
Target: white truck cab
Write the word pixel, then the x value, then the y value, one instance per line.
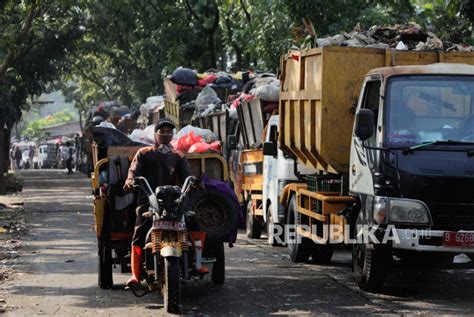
pixel 278 171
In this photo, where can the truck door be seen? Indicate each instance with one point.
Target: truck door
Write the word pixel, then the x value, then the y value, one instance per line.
pixel 363 160
pixel 270 165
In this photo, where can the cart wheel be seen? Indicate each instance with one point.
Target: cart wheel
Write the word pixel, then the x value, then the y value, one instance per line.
pixel 105 267
pixel 218 269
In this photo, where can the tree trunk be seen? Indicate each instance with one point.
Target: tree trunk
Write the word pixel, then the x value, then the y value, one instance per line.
pixel 80 121
pixel 212 51
pixel 3 189
pixel 8 133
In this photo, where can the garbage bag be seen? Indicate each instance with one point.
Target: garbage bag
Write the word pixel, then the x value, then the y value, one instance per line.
pixel 202 147
pixel 189 95
pixel 183 143
pixel 209 79
pixel 112 137
pixel 146 136
pixel 268 93
pixel 184 76
pixel 207 135
pixel 205 98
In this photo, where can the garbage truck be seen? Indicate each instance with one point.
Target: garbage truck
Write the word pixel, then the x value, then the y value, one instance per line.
pixel 387 138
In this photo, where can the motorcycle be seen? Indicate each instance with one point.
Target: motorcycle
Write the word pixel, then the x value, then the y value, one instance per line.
pixel 174 245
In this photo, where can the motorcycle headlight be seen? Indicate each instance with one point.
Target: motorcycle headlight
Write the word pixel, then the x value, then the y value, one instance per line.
pixel 408 211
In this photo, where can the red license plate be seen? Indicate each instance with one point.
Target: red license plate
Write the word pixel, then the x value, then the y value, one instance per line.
pixel 169 225
pixel 458 239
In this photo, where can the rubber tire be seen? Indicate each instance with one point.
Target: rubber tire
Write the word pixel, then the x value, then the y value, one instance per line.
pixel 299 252
pixel 370 274
pixel 253 227
pixel 270 238
pixel 172 286
pixel 225 205
pixel 322 253
pixel 105 278
pixel 218 269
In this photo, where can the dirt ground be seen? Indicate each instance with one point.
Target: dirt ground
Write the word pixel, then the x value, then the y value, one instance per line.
pixel 55 273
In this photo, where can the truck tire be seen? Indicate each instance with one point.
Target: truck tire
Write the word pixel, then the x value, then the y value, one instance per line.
pixel 172 286
pixel 299 248
pixel 322 253
pixel 217 214
pixel 273 239
pixel 105 266
pixel 253 226
pixel 218 269
pixel 369 263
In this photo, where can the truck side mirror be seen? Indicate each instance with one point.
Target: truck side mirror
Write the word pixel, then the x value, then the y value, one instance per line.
pixel 232 142
pixel 364 124
pixel 270 148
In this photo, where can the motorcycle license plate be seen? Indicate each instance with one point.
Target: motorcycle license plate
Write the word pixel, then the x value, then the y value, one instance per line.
pixel 169 225
pixel 458 239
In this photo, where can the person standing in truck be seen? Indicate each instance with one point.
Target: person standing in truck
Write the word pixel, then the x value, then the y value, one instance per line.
pixel 161 165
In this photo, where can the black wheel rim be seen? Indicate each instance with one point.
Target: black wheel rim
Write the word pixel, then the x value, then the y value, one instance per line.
pixel 212 216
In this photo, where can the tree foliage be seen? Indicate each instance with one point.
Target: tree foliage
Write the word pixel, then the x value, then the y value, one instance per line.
pixel 33 129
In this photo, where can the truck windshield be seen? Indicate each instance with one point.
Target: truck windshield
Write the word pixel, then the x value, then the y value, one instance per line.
pixel 428 109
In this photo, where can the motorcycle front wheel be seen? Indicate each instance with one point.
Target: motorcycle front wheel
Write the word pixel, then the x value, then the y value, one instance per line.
pixel 172 287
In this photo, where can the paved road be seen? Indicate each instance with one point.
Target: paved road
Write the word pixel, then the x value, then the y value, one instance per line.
pixel 58 273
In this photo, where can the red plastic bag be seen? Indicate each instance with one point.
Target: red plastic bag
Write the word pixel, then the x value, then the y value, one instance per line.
pixel 209 79
pixel 185 142
pixel 183 88
pixel 202 147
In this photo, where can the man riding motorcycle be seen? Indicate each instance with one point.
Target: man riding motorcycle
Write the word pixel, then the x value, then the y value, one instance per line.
pixel 161 165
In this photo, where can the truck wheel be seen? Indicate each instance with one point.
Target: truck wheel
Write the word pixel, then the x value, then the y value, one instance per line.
pixel 253 226
pixel 218 269
pixel 299 248
pixel 274 239
pixel 322 253
pixel 105 267
pixel 172 286
pixel 369 262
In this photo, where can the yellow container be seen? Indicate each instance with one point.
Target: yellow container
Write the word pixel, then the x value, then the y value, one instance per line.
pixel 319 91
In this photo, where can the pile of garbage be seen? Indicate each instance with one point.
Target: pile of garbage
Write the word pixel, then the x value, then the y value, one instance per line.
pixel 204 93
pixel 196 140
pixel 401 37
pixel 115 113
pixel 265 87
pixel 152 105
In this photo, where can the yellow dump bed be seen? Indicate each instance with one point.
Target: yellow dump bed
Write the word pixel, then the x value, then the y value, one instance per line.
pixel 320 87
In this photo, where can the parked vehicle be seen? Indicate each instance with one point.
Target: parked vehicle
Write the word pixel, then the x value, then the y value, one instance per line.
pixel 388 169
pixel 47 155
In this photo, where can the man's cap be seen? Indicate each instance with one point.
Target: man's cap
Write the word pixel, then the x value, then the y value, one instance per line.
pixel 164 122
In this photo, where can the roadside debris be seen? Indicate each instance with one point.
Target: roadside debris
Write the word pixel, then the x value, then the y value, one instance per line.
pixel 12 227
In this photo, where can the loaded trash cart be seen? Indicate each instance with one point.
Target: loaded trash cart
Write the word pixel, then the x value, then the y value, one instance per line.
pixel 114 210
